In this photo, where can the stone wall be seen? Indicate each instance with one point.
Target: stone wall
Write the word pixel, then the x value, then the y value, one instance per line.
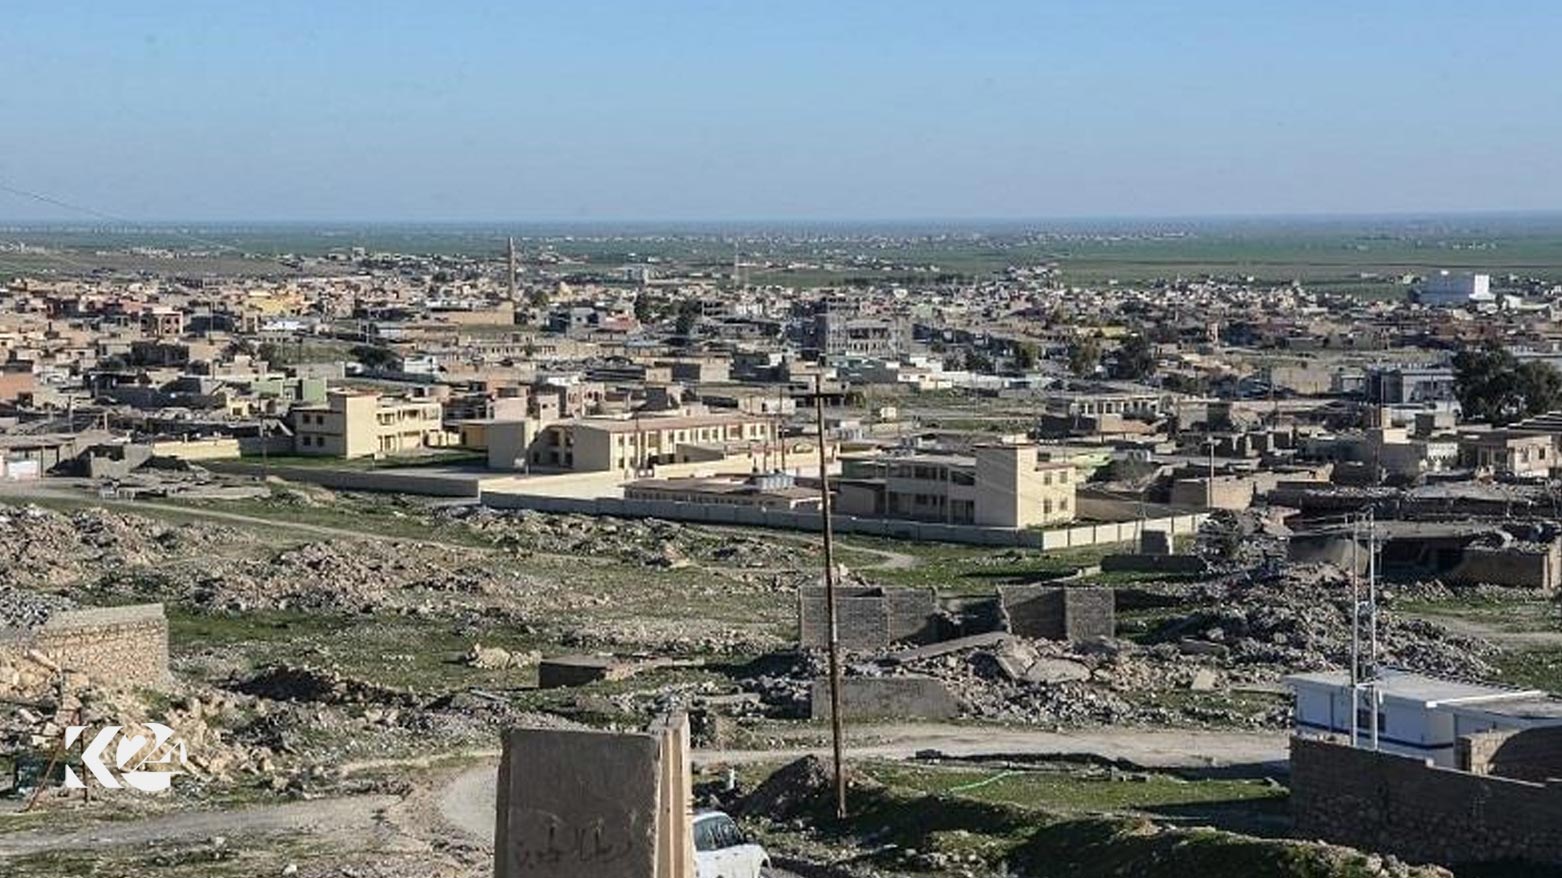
pixel 1058 612
pixel 1394 804
pixel 1528 754
pixel 113 646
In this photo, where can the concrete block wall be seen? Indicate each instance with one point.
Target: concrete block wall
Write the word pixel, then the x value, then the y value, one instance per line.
pixel 113 646
pixel 1482 565
pixel 868 618
pixel 1058 612
pixel 862 619
pixel 1406 807
pixel 886 698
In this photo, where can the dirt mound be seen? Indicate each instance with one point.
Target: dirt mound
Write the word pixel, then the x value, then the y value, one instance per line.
pixel 795 789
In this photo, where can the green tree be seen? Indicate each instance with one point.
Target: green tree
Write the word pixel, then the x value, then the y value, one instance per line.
pixel 1084 355
pixel 1025 356
pixel 1135 358
pixel 1541 387
pixel 373 356
pixel 688 318
pixel 1492 385
pixel 977 361
pixel 645 312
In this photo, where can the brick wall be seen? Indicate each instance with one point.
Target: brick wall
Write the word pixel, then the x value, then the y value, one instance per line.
pixel 1394 804
pixel 113 646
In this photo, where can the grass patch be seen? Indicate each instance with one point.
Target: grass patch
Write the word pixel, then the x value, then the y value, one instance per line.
pixel 1535 668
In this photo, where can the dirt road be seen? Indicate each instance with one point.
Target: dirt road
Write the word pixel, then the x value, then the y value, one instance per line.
pixel 467 801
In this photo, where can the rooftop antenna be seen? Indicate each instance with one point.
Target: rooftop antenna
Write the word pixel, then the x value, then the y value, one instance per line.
pixel 1364 677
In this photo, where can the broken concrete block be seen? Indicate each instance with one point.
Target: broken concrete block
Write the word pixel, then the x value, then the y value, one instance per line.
pixel 1056 670
pixel 1204 680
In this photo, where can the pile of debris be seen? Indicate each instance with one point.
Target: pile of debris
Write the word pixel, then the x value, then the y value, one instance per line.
pixel 1302 622
pixel 23 608
pixel 42 548
pixel 652 542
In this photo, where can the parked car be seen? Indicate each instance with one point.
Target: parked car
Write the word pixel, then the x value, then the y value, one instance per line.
pixel 722 851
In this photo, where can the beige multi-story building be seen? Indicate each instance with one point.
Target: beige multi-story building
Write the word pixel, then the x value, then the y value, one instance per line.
pixel 359 424
pixel 634 444
pixel 996 486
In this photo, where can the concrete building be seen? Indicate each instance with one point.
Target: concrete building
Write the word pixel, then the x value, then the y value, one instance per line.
pixel 997 486
pixel 1418 716
pixel 1449 290
pixel 631 445
pixel 1513 453
pixel 352 424
pixel 1402 385
pixel 767 491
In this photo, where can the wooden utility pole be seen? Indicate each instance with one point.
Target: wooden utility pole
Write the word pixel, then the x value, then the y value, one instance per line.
pixel 837 732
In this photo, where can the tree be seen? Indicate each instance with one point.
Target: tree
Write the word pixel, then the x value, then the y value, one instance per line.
pixel 1541 387
pixel 1492 385
pixel 1025 356
pixel 977 361
pixel 1135 359
pixel 1084 355
pixel 644 312
pixel 373 356
pixel 688 318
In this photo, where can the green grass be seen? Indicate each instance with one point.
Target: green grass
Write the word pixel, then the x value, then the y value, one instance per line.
pixel 1532 668
pixel 1037 826
pixel 1071 790
pixel 1507 612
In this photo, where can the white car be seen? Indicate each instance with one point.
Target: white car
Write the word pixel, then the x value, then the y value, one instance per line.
pixel 721 850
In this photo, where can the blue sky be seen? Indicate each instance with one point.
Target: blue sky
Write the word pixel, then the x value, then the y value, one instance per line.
pixel 596 110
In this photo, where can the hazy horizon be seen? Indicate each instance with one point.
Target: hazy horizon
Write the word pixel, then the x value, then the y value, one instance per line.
pixel 809 113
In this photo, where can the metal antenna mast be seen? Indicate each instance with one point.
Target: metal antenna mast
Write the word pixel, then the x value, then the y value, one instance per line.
pixel 837 731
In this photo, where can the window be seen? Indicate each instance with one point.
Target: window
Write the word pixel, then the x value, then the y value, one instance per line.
pixel 1364 720
pixel 705 835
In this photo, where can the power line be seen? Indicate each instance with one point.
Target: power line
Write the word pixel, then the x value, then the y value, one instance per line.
pixel 98 214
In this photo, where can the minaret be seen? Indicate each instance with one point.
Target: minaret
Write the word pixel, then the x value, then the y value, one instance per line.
pixel 512 267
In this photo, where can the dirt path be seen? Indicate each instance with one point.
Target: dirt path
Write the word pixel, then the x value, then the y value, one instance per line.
pixel 358 817
pixel 1487 631
pixel 143 506
pixel 467 801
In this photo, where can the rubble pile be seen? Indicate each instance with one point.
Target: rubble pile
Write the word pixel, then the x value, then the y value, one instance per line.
pixel 1303 623
pixel 21 608
pixel 343 575
pixel 653 542
pixel 42 548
